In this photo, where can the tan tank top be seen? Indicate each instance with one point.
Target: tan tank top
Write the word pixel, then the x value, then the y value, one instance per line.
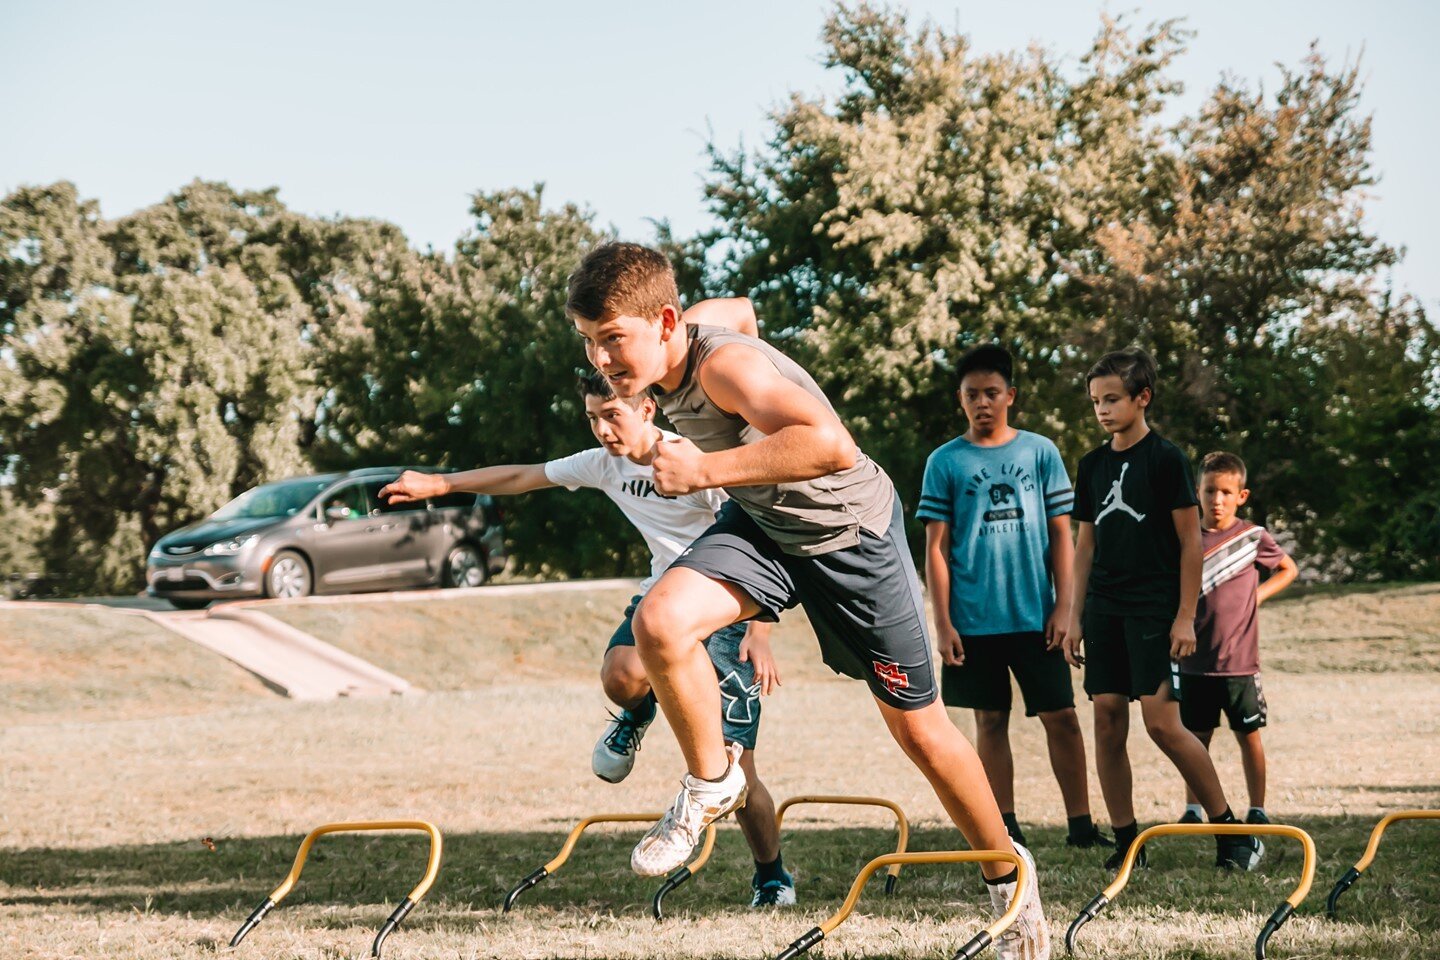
pixel 805 518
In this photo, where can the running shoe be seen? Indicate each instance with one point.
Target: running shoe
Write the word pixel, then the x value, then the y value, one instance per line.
pixel 1241 852
pixel 614 754
pixel 1118 857
pixel 1028 938
pixel 699 804
pixel 1190 816
pixel 1256 816
pixel 773 893
pixel 1087 841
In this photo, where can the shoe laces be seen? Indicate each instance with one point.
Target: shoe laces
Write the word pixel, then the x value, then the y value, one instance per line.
pixel 768 893
pixel 685 814
pixel 625 738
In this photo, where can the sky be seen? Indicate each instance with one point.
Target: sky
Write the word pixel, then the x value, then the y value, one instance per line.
pixel 402 111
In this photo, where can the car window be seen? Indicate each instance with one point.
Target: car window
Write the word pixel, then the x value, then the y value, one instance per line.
pixel 373 488
pixel 351 497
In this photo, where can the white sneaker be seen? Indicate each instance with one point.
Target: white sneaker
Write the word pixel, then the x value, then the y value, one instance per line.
pixel 1028 938
pixel 699 804
pixel 614 755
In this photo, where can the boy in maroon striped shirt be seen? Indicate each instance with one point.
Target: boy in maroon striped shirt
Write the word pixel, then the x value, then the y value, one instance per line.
pixel 1223 674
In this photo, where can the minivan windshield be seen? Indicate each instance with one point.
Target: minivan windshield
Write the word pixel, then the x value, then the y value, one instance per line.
pixel 281 499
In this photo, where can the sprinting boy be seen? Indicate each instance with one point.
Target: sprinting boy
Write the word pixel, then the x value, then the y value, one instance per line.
pixel 1223 674
pixel 1137 580
pixel 998 563
pixel 810 520
pixel 740 661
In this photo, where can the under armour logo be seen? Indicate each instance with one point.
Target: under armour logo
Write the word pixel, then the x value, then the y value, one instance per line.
pixel 892 676
pixel 739 698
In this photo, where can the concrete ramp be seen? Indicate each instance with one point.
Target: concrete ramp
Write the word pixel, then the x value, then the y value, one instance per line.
pixel 286 659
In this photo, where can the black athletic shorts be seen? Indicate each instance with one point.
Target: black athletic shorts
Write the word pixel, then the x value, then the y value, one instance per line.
pixel 1128 655
pixel 1203 699
pixel 863 601
pixel 982 682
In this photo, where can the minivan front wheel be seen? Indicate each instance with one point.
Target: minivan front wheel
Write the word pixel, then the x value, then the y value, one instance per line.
pixel 288 576
pixel 464 566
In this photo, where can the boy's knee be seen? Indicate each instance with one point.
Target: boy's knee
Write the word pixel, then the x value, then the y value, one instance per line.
pixel 1063 722
pixel 623 677
pixel 654 627
pixel 1166 732
pixel 918 734
pixel 994 723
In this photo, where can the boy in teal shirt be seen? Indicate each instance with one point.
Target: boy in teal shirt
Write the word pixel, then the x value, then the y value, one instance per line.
pixel 996 504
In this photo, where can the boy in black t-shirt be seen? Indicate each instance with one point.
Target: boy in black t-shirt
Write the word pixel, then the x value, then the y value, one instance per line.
pixel 1137 581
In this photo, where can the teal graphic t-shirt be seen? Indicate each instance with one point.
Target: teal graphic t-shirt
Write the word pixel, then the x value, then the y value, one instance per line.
pixel 998 502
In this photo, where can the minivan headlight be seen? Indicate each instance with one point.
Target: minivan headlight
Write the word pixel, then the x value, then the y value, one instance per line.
pixel 227 548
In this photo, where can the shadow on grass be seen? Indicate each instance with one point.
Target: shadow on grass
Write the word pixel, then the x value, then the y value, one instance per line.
pixel 362 872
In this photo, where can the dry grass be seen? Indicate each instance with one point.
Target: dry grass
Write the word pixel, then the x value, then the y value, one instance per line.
pixel 100 851
pixel 92 664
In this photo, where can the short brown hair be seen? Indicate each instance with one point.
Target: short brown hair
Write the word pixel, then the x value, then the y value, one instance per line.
pixel 1134 367
pixel 1221 462
pixel 618 279
pixel 594 384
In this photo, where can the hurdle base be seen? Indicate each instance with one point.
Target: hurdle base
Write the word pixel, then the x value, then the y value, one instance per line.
pixel 804 943
pixel 671 882
pixel 255 917
pixel 1091 911
pixel 1277 919
pixel 393 921
pixel 522 886
pixel 1332 902
pixel 972 948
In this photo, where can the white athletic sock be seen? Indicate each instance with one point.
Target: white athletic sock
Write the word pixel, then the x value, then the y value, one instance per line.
pixel 1196 809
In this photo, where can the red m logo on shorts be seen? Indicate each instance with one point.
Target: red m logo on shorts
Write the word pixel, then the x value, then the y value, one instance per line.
pixel 892 676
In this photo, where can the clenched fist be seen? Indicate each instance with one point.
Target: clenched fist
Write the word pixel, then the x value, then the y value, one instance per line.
pixel 679 467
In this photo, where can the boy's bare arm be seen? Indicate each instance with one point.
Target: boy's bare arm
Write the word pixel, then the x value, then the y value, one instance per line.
pixel 804 439
pixel 1283 576
pixel 733 313
pixel 1182 631
pixel 1062 569
pixel 1084 557
pixel 949 643
pixel 508 479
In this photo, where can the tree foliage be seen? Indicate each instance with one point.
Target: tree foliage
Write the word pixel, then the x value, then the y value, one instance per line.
pixel 155 365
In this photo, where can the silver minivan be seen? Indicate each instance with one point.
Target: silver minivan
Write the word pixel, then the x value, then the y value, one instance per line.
pixel 327 534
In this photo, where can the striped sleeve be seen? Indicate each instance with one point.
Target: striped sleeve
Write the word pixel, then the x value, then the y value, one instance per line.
pixel 936 498
pixel 1059 495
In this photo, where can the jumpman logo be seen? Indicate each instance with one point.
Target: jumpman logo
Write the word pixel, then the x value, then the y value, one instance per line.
pixel 1115 499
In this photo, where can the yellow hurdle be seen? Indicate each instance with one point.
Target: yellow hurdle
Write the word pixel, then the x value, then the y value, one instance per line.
pixel 976 943
pixel 1353 874
pixel 671 882
pixel 1281 914
pixel 432 867
pixel 902 824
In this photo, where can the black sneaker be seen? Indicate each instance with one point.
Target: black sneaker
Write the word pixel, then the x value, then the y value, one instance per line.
pixel 1241 852
pixel 773 893
pixel 1256 816
pixel 1189 816
pixel 1118 857
pixel 1088 841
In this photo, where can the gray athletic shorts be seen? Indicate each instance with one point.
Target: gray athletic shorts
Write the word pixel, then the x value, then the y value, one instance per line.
pixel 863 601
pixel 739 691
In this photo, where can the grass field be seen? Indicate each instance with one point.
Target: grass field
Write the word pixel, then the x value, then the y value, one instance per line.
pixel 122 749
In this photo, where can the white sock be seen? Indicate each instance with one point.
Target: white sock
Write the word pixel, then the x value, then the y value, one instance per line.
pixel 1196 809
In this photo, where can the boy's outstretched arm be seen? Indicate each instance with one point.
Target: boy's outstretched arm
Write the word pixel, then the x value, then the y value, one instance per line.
pixel 1283 576
pixel 1084 557
pixel 508 479
pixel 1192 552
pixel 803 437
pixel 733 313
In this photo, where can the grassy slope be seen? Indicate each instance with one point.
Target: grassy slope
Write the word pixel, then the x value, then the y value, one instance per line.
pixel 100 851
pixel 92 664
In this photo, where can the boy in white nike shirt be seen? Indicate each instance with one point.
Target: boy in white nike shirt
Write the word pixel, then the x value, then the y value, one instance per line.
pixel 744 666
